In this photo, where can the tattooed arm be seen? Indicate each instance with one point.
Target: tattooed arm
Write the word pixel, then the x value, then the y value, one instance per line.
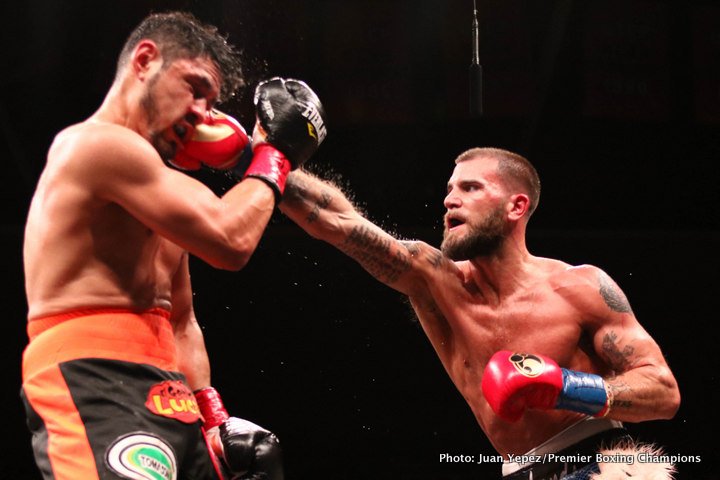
pixel 641 383
pixel 322 210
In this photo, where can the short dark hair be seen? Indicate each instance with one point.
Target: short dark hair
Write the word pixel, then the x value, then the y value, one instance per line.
pixel 182 35
pixel 514 169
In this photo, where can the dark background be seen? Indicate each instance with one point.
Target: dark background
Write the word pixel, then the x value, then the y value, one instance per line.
pixel 616 102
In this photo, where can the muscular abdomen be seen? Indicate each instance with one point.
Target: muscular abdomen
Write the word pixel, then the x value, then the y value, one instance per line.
pixel 81 252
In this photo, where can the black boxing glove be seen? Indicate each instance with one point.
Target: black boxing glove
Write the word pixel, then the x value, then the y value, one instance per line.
pixel 292 120
pixel 248 451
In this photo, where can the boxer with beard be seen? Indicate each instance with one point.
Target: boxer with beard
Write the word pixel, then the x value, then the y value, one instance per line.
pixel 549 357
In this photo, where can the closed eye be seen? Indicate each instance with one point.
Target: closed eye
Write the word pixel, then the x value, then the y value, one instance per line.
pixel 201 88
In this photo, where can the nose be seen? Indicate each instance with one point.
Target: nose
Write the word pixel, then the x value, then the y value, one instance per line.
pixel 198 110
pixel 452 200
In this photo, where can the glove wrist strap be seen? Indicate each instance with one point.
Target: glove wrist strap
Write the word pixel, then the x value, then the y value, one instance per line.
pixel 271 166
pixel 211 407
pixel 583 392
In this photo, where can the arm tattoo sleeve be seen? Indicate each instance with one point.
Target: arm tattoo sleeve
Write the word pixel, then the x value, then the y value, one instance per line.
pixel 619 360
pixel 296 191
pixel 432 256
pixel 411 247
pixel 322 203
pixel 619 389
pixel 613 296
pixel 297 194
pixel 435 257
pixel 374 253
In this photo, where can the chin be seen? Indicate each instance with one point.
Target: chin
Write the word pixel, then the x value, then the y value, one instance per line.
pixel 449 248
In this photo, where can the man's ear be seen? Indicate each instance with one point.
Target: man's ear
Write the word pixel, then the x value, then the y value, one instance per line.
pixel 144 58
pixel 519 206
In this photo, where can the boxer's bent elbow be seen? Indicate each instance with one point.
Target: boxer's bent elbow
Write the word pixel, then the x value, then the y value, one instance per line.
pixel 232 265
pixel 670 398
pixel 232 257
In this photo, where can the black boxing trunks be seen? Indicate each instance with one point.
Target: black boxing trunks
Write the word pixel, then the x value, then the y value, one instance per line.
pixel 104 399
pixel 569 455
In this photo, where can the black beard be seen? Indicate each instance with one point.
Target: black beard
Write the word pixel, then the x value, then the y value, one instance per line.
pixel 481 240
pixel 165 149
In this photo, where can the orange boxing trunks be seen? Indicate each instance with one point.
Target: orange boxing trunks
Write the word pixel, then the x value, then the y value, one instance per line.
pixel 104 399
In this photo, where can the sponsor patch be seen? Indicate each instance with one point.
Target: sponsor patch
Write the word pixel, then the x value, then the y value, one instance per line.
pixel 142 456
pixel 173 399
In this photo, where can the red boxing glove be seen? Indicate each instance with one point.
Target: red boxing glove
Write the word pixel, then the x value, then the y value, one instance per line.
pixel 219 142
pixel 513 382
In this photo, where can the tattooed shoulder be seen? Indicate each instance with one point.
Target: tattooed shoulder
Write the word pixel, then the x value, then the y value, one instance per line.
pixel 613 296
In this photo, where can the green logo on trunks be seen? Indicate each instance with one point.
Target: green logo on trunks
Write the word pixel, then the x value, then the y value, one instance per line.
pixel 142 456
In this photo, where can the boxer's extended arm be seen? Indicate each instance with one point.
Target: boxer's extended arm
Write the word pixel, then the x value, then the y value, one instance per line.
pixel 323 211
pixel 642 385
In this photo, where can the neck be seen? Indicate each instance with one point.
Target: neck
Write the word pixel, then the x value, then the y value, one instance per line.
pixel 503 272
pixel 122 106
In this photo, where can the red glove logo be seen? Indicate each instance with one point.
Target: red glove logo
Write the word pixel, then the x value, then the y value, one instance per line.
pixel 527 364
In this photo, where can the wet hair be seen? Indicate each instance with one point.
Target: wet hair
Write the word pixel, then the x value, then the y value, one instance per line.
pixel 180 35
pixel 515 170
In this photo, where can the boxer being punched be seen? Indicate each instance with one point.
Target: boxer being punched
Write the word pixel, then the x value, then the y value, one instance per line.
pixel 549 356
pixel 115 350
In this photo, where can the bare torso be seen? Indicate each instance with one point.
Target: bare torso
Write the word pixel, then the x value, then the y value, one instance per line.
pixel 81 251
pixel 511 300
pixel 466 329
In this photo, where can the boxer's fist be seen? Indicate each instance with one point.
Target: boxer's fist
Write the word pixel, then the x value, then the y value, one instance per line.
pixel 513 382
pixel 218 142
pixel 291 116
pixel 290 126
pixel 249 451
